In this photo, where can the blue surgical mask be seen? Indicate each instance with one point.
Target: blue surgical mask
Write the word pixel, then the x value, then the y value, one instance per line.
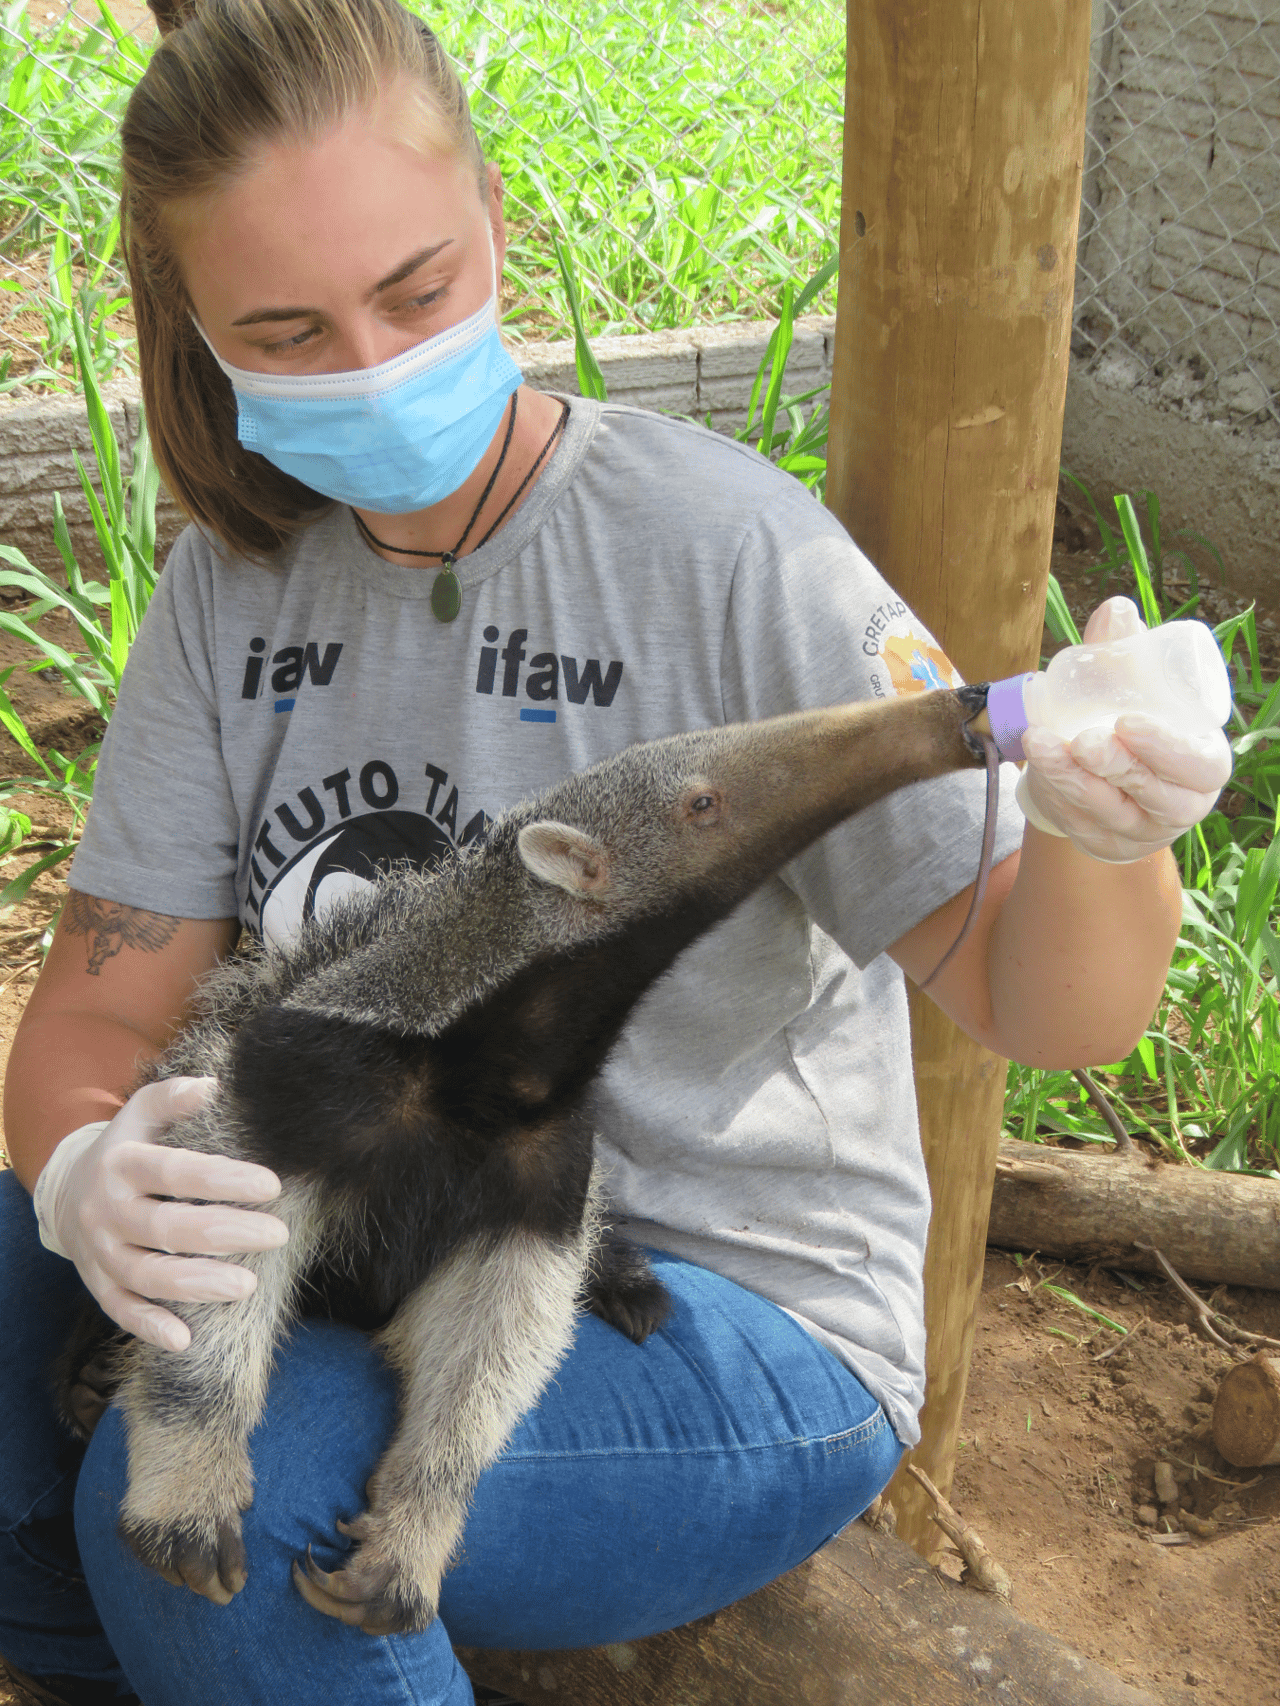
pixel 393 438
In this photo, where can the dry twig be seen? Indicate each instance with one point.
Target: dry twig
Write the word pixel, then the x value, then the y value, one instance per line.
pixel 19 971
pixel 1222 1481
pixel 1209 1320
pixel 980 1568
pixel 1121 1344
pixel 1102 1102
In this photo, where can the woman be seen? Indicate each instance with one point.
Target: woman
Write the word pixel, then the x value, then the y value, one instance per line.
pixel 415 592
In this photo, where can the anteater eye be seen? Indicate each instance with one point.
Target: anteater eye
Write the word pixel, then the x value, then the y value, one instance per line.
pixel 703 803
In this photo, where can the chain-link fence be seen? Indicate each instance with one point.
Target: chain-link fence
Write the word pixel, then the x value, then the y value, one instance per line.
pixel 1178 282
pixel 688 151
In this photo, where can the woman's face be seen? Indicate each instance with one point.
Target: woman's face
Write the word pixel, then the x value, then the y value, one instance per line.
pixel 340 253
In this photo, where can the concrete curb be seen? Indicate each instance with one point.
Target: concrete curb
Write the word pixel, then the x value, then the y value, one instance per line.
pixel 707 371
pixel 1223 480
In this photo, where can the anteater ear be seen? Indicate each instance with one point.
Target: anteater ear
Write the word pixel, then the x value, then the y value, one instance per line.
pixel 566 857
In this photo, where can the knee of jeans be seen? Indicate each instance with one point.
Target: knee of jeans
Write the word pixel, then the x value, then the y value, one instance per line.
pixel 330 1413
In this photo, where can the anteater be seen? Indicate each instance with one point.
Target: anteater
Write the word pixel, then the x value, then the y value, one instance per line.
pixel 414 1067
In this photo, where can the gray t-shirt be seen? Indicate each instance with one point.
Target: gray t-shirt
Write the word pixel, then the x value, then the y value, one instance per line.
pixel 280 732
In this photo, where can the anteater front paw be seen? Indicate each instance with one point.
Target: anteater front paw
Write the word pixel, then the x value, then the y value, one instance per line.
pixel 207 1557
pixel 373 1591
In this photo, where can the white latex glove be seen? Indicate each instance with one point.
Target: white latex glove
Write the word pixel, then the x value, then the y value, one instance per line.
pixel 1119 796
pixel 96 1205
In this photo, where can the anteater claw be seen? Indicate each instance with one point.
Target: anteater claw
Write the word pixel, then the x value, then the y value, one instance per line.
pixel 363 1600
pixel 310 1583
pixel 338 1584
pixel 357 1528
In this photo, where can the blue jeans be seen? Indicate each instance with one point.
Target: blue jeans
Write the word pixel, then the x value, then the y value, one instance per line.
pixel 651 1484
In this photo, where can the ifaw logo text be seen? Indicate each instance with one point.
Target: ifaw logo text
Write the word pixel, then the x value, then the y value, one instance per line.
pixel 547 674
pixel 290 666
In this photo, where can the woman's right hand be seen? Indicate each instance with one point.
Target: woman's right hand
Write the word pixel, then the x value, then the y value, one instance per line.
pixel 98 1204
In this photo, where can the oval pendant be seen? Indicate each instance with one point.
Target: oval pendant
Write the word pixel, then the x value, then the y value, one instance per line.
pixel 446 596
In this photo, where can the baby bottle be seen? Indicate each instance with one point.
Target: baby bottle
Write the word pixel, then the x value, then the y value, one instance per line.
pixel 1175 672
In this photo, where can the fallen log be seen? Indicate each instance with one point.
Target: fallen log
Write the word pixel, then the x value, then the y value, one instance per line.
pixel 1246 1412
pixel 865 1622
pixel 1084 1207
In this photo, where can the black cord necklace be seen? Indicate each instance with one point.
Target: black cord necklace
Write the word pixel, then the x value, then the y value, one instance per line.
pixel 446 589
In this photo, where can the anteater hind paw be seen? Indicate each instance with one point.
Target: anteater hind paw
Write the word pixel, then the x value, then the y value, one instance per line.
pixel 621 1289
pixel 636 1311
pixel 210 1563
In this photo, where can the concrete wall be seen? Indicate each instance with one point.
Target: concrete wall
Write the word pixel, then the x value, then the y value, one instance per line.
pixel 1180 234
pixel 1221 479
pixel 38 444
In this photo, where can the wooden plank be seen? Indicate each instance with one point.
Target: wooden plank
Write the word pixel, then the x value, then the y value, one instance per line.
pixel 864 1623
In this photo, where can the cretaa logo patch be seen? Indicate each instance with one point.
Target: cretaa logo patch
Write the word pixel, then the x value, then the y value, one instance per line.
pixel 905 657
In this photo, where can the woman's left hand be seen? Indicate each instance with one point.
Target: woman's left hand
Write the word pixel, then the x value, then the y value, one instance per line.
pixel 1120 796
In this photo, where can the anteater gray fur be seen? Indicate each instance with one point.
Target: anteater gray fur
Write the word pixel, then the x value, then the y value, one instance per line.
pixel 413 1067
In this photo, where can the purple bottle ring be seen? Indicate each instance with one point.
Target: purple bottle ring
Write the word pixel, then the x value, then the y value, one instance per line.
pixel 1007 714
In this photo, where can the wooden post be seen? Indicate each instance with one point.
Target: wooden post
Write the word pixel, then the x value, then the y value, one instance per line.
pixel 963 144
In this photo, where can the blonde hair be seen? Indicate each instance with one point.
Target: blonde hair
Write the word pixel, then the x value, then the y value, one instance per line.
pixel 229 77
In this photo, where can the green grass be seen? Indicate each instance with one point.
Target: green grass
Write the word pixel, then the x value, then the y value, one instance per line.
pixel 776 423
pixel 106 618
pixel 1204 1083
pixel 688 153
pixel 62 94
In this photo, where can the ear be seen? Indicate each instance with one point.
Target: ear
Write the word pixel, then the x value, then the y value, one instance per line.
pixel 566 857
pixel 497 220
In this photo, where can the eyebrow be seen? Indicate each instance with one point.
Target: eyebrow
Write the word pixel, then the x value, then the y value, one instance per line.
pixel 259 316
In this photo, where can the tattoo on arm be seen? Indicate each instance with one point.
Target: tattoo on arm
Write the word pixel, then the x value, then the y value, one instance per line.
pixel 107 927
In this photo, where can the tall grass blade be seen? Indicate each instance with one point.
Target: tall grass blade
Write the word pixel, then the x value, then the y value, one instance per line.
pixel 1111 550
pixel 15 726
pixel 1058 616
pixel 14 892
pixel 1138 558
pixel 780 344
pixel 817 284
pixel 105 449
pixel 590 379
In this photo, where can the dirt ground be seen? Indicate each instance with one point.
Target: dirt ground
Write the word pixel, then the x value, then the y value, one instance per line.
pixel 1059 1451
pixel 1059 1448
